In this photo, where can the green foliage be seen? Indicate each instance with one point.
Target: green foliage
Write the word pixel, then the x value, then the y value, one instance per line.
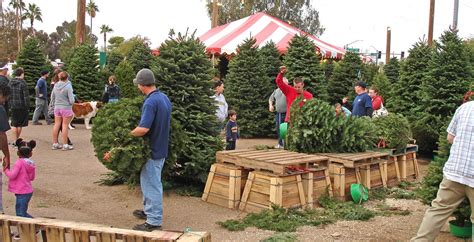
pixel 392 70
pixel 140 56
pixel 32 60
pixel 328 66
pixel 302 61
pixel 271 61
pixel 84 71
pixel 129 153
pixel 281 237
pixel 183 72
pixel 125 75
pixel 247 91
pixel 382 83
pixel 394 192
pixel 315 128
pixel 369 73
pixel 113 60
pixel 345 75
pixel 395 130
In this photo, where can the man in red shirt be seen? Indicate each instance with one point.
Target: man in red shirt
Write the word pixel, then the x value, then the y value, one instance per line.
pixel 290 92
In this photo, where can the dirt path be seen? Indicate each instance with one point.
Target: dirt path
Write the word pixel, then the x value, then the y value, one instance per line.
pixel 65 188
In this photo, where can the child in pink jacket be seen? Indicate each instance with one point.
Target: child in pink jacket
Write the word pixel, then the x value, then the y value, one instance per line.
pixel 21 175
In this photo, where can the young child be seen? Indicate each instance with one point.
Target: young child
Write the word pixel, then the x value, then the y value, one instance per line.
pixel 342 111
pixel 21 175
pixel 231 131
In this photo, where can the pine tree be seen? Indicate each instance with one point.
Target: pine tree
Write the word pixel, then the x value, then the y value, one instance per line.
pixel 369 72
pixel 183 72
pixel 303 61
pixel 140 56
pixel 247 91
pixel 328 66
pixel 32 60
pixel 392 70
pixel 444 87
pixel 84 71
pixel 125 75
pixel 345 75
pixel 271 61
pixel 383 84
pixel 113 60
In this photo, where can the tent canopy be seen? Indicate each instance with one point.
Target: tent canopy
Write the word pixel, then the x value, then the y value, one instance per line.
pixel 264 28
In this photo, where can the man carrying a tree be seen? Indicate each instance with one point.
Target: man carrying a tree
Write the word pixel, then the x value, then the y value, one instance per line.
pixel 290 92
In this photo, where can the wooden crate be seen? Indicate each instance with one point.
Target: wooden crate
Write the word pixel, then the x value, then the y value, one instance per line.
pixel 316 183
pixel 410 148
pixel 393 174
pixel 224 185
pixel 341 180
pixel 407 165
pixel 264 189
pixel 276 161
pixel 53 230
pixel 374 175
pixel 358 159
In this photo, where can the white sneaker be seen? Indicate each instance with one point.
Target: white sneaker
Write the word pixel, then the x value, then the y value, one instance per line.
pixel 57 146
pixel 67 147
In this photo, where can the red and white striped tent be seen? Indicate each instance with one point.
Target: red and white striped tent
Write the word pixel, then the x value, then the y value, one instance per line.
pixel 264 28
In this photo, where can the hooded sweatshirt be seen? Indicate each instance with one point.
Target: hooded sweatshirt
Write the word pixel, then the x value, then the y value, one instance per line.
pixel 62 96
pixel 20 176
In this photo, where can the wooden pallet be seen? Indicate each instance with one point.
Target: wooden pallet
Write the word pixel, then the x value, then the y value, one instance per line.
pixel 316 183
pixel 264 189
pixel 410 148
pixel 374 175
pixel 224 185
pixel 276 161
pixel 353 160
pixel 393 174
pixel 64 231
pixel 342 178
pixel 408 166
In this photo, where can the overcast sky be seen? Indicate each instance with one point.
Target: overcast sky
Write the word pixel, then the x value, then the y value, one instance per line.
pixel 346 21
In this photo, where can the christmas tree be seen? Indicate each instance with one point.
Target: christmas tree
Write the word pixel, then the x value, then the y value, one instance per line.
pixel 382 83
pixel 369 72
pixel 140 56
pixel 125 75
pixel 271 61
pixel 392 70
pixel 32 60
pixel 303 61
pixel 113 59
pixel 84 71
pixel 183 73
pixel 328 66
pixel 345 74
pixel 247 90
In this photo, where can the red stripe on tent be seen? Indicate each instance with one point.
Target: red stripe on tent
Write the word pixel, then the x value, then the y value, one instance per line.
pixel 283 44
pixel 212 32
pixel 253 19
pixel 265 33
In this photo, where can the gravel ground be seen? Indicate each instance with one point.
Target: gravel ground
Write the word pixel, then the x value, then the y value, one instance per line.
pixel 66 189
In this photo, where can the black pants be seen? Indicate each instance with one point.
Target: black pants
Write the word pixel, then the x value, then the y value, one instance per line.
pixel 230 145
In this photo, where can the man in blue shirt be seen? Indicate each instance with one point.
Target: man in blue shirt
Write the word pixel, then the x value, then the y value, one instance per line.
pixel 155 126
pixel 41 91
pixel 362 105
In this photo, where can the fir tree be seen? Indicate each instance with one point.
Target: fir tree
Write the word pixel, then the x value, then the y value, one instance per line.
pixel 84 71
pixel 392 70
pixel 140 56
pixel 125 75
pixel 271 61
pixel 183 72
pixel 383 85
pixel 113 60
pixel 32 60
pixel 444 86
pixel 328 66
pixel 369 72
pixel 303 61
pixel 247 91
pixel 345 74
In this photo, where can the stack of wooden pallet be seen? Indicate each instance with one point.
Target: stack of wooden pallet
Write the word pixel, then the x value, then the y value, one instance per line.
pixel 405 162
pixel 280 177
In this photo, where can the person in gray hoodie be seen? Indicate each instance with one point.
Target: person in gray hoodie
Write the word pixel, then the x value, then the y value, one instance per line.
pixel 62 96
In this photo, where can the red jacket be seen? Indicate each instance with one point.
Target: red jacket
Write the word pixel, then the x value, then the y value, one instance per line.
pixel 377 102
pixel 290 94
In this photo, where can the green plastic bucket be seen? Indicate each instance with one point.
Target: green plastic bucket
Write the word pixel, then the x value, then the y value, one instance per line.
pixel 283 130
pixel 359 193
pixel 461 232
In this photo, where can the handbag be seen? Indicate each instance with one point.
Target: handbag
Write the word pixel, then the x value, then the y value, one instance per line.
pixel 381 112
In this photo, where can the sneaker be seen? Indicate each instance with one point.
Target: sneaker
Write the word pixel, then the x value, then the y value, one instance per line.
pixel 139 214
pixel 68 147
pixel 49 122
pixel 37 123
pixel 57 146
pixel 146 227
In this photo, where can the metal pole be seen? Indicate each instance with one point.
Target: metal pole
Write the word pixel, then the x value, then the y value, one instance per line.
pixel 431 22
pixel 387 51
pixel 455 14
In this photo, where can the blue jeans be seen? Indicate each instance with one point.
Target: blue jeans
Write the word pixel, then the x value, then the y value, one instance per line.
pixel 279 119
pixel 21 205
pixel 152 189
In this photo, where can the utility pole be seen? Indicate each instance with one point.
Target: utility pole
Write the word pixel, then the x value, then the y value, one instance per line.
pixel 455 14
pixel 431 22
pixel 215 14
pixel 81 22
pixel 387 51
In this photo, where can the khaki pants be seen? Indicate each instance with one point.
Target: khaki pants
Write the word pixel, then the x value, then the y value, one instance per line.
pixel 450 195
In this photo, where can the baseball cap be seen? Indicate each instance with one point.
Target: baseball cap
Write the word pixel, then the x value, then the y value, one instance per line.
pixel 144 77
pixel 44 72
pixel 361 84
pixel 3 65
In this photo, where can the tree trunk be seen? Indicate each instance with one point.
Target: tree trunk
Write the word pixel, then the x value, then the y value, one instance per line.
pixel 91 31
pixel 105 42
pixel 17 23
pixel 81 21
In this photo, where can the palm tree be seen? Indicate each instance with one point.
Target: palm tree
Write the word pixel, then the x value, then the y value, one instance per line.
pixel 19 6
pixel 92 9
pixel 104 29
pixel 33 13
